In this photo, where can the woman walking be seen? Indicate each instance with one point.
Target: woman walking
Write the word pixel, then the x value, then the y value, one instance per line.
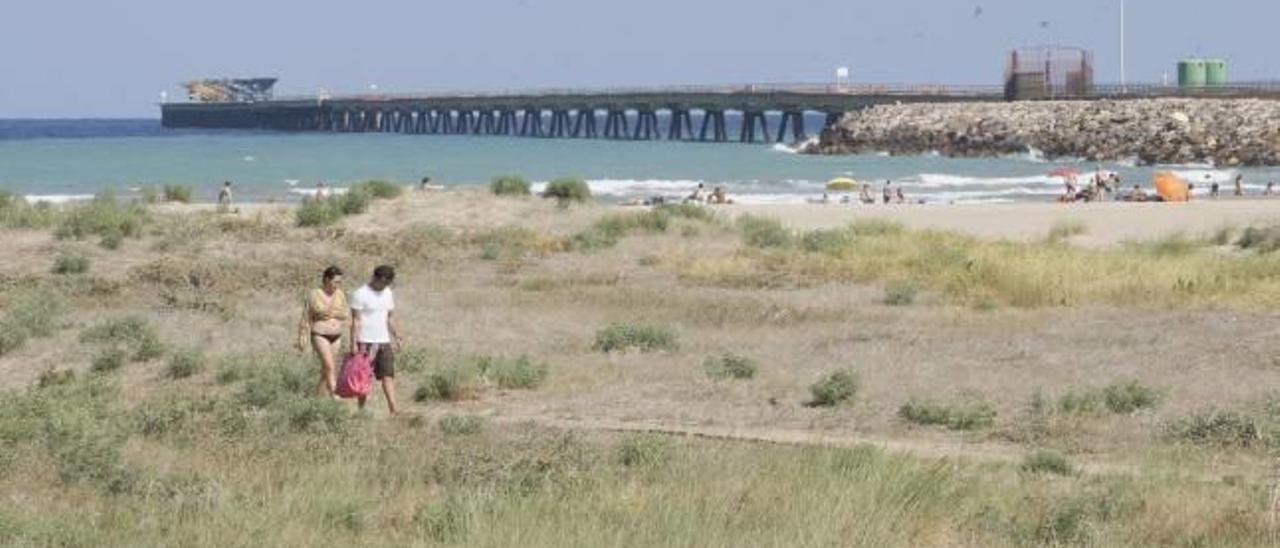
pixel 324 315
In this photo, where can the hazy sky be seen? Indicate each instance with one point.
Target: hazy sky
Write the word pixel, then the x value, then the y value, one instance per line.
pixel 111 58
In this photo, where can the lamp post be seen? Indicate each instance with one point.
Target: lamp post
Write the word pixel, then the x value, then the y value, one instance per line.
pixel 1124 88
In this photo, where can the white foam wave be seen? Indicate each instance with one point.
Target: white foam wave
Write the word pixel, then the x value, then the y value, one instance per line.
pixel 57 198
pixel 1202 176
pixel 940 180
pixel 780 147
pixel 313 191
pixel 636 187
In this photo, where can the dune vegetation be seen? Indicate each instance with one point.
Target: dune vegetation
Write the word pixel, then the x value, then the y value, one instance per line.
pixel 591 376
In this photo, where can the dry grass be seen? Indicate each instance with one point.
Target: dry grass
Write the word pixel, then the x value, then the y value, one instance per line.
pixel 231 287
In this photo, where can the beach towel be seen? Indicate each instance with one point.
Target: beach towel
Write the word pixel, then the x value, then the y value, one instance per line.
pixel 356 377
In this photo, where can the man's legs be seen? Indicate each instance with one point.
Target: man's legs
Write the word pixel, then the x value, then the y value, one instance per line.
pixel 389 390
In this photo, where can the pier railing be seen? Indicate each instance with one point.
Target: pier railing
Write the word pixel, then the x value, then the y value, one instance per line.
pixel 716 89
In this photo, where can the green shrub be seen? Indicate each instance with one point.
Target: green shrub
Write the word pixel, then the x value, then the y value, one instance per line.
pixel 310 415
pixel 1216 428
pixel 316 213
pixel 458 382
pixel 446 522
pixel 621 337
pixel 108 360
pixel 346 515
pixel 834 389
pixel 166 414
pixel 828 241
pixel 1262 240
pixel 764 232
pixel 1128 397
pixel 19 214
pixel 969 412
pixel 509 185
pixel 30 313
pixel 1081 402
pixel 352 202
pixel 53 377
pixel 1066 229
pixel 731 366
pixel 646 449
pixel 567 191
pixel 177 193
pixel 1123 397
pixel 149 194
pixel 276 378
pixel 507 243
pixel 131 331
pixel 461 425
pixel 515 374
pixel 70 264
pixel 1048 462
pixel 104 217
pixel 185 363
pixel 379 190
pixel 693 212
pixel 900 293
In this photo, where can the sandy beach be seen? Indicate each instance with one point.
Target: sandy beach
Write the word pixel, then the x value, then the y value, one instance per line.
pixel 1107 223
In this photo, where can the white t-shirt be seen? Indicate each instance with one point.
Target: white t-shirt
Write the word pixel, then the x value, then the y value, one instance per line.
pixel 372 308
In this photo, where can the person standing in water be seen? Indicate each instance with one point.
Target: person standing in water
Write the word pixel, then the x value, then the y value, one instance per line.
pixel 224 197
pixel 1239 185
pixel 375 332
pixel 887 193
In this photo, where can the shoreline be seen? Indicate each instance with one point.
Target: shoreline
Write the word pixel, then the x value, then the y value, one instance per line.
pixel 1106 223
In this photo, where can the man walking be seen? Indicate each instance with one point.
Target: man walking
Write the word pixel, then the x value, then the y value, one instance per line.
pixel 374 330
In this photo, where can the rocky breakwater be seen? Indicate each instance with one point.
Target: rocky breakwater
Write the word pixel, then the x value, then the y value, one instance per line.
pixel 1158 131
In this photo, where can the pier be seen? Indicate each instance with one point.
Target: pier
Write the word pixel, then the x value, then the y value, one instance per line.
pixel 767 112
pixel 693 113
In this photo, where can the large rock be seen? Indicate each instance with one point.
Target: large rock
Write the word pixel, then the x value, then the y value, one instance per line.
pixel 1234 132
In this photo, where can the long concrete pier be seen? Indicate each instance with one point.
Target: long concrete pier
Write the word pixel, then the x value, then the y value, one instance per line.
pixel 684 113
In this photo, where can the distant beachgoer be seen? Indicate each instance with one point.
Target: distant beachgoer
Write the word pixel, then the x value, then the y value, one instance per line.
pixel 322 192
pixel 374 330
pixel 1191 191
pixel 1271 189
pixel 1239 185
pixel 224 197
pixel 826 198
pixel 424 184
pixel 1213 190
pixel 864 194
pixel 323 317
pixel 699 194
pixel 719 196
pixel 1137 195
pixel 887 192
pixel 902 198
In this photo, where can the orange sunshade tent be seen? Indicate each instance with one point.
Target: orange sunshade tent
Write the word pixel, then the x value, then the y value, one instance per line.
pixel 1171 188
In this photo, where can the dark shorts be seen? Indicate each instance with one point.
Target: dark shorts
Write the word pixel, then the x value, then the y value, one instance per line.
pixel 384 362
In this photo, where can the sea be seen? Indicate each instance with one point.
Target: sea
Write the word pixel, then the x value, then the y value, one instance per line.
pixel 66 160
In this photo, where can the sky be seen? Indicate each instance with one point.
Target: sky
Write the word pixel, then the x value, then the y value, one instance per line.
pixel 96 58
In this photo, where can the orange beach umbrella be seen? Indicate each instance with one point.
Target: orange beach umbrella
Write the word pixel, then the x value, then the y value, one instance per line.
pixel 1171 188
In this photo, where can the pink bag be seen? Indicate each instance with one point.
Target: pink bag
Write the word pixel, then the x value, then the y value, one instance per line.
pixel 356 377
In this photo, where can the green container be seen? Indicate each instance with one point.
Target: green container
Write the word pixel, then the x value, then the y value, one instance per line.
pixel 1191 73
pixel 1215 72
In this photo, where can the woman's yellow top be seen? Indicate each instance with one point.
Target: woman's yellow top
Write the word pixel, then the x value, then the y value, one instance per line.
pixel 322 308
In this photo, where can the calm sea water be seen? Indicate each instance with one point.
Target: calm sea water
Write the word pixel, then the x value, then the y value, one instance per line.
pixel 56 159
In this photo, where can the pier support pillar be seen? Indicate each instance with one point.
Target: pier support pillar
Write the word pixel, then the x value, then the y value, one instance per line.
pixel 750 120
pixel 616 125
pixel 584 125
pixel 531 126
pixel 714 120
pixel 796 119
pixel 681 125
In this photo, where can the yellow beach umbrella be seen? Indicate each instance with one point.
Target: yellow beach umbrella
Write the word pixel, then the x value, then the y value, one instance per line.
pixel 842 184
